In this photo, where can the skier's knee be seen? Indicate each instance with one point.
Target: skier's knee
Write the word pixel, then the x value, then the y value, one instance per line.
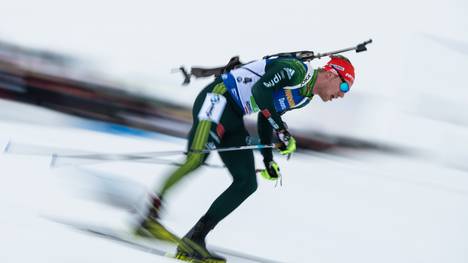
pixel 249 186
pixel 253 187
pixel 196 159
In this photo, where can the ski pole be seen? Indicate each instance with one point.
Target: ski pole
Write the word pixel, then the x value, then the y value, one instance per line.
pixel 60 153
pixel 152 155
pixel 60 162
pixel 238 148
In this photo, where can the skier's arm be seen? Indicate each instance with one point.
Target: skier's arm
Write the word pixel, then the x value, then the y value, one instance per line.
pixel 278 74
pixel 265 132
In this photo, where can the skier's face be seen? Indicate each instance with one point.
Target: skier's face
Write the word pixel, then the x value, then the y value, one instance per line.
pixel 331 87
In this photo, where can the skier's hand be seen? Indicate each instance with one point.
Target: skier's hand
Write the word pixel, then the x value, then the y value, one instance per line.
pixel 287 142
pixel 271 171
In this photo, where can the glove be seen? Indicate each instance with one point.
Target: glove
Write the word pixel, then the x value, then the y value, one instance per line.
pixel 287 142
pixel 271 171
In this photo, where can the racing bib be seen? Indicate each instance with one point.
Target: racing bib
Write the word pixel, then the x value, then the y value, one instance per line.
pixel 212 107
pixel 240 81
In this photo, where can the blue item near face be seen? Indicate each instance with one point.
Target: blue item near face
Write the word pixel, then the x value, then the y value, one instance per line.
pixel 344 86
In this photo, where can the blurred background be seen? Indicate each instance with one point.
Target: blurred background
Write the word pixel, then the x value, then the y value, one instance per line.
pixel 381 174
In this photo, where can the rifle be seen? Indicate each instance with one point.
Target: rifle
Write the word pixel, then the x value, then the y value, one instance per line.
pixel 234 62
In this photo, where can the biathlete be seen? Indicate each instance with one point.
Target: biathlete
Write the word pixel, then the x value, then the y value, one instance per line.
pixel 270 87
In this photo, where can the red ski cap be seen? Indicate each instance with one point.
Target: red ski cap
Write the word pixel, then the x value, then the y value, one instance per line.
pixel 343 65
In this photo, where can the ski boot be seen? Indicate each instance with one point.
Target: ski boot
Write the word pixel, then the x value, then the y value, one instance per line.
pixel 151 227
pixel 195 239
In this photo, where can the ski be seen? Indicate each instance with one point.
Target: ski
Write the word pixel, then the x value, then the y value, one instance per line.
pixel 152 246
pixel 125 237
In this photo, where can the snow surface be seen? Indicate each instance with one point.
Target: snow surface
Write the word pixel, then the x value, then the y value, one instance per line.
pixel 369 208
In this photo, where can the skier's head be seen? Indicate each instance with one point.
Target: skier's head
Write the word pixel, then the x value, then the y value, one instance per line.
pixel 342 66
pixel 335 78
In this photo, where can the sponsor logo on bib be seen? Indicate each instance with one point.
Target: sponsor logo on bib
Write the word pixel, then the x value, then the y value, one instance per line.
pixel 273 81
pixel 212 107
pixel 282 104
pixel 290 72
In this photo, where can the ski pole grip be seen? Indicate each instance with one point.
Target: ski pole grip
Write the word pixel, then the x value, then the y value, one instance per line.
pixel 277 145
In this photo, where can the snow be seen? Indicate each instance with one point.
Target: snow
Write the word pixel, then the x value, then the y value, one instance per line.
pixel 359 208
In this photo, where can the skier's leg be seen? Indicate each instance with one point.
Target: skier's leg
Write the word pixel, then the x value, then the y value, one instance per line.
pixel 150 225
pixel 206 113
pixel 241 165
pixel 198 138
pixel 193 159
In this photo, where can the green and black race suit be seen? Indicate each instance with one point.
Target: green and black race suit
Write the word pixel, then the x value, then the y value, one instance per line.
pixel 272 86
